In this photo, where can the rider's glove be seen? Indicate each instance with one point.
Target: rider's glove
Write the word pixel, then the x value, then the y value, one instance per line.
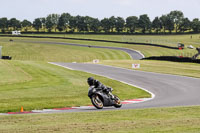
pixel 110 89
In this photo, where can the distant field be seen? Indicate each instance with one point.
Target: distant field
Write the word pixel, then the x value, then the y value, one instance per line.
pixel 146 50
pixel 39 85
pixel 60 53
pixel 184 69
pixel 169 40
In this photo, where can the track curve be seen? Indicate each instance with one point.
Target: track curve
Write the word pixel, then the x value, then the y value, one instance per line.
pixel 169 90
pixel 136 55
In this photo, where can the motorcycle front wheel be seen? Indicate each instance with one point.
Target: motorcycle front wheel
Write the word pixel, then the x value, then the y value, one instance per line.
pixel 118 103
pixel 96 101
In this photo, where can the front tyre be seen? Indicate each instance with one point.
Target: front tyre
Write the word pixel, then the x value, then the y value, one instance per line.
pixel 118 103
pixel 96 101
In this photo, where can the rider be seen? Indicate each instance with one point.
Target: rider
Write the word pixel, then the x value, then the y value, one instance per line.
pixel 97 84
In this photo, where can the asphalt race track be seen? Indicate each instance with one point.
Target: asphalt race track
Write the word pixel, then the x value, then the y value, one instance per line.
pixel 167 90
pixel 136 55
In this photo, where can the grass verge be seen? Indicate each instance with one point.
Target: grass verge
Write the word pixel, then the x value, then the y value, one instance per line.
pixel 39 85
pixel 20 50
pixel 169 40
pixel 146 50
pixel 165 120
pixel 184 69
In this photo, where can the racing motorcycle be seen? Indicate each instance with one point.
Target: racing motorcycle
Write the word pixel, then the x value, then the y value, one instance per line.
pixel 100 98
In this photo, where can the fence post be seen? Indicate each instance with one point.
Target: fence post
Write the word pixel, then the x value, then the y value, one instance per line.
pixel 0 52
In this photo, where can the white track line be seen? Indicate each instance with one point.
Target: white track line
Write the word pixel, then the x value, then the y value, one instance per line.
pixel 146 99
pixel 60 65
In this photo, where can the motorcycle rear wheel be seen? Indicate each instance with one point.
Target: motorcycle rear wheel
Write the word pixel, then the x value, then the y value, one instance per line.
pixel 96 101
pixel 118 103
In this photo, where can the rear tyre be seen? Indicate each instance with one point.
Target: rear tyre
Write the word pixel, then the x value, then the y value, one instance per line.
pixel 118 103
pixel 96 101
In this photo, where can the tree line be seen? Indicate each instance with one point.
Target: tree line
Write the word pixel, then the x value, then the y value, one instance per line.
pixel 171 22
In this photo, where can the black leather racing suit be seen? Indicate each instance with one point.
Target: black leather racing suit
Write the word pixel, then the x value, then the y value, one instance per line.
pixel 99 85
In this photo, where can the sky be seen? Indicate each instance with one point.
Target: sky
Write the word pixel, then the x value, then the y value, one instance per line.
pixel 31 9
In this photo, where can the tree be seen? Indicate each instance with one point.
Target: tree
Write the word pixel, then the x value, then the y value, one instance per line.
pixel 169 23
pixel 132 23
pixel 61 24
pixel 112 23
pixel 144 22
pixel 37 24
pixel 26 24
pixel 14 23
pixel 94 24
pixel 55 18
pixel 63 21
pixel 156 24
pixel 105 24
pixel 177 17
pixel 185 25
pixel 163 20
pixel 43 21
pixel 87 23
pixel 196 25
pixel 73 23
pixel 52 21
pixel 81 23
pixel 120 22
pixel 49 23
pixel 3 24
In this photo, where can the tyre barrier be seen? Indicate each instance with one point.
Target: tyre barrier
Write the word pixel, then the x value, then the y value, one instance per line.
pixel 173 58
pixel 6 57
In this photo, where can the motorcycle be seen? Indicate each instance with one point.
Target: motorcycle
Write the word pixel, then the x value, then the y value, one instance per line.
pixel 100 98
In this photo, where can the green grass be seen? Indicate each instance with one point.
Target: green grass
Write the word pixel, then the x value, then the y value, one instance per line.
pixel 146 50
pixel 169 40
pixel 184 69
pixel 50 52
pixel 159 120
pixel 35 84
pixel 39 85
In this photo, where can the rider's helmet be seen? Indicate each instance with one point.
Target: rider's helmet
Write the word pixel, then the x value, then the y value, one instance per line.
pixel 90 81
